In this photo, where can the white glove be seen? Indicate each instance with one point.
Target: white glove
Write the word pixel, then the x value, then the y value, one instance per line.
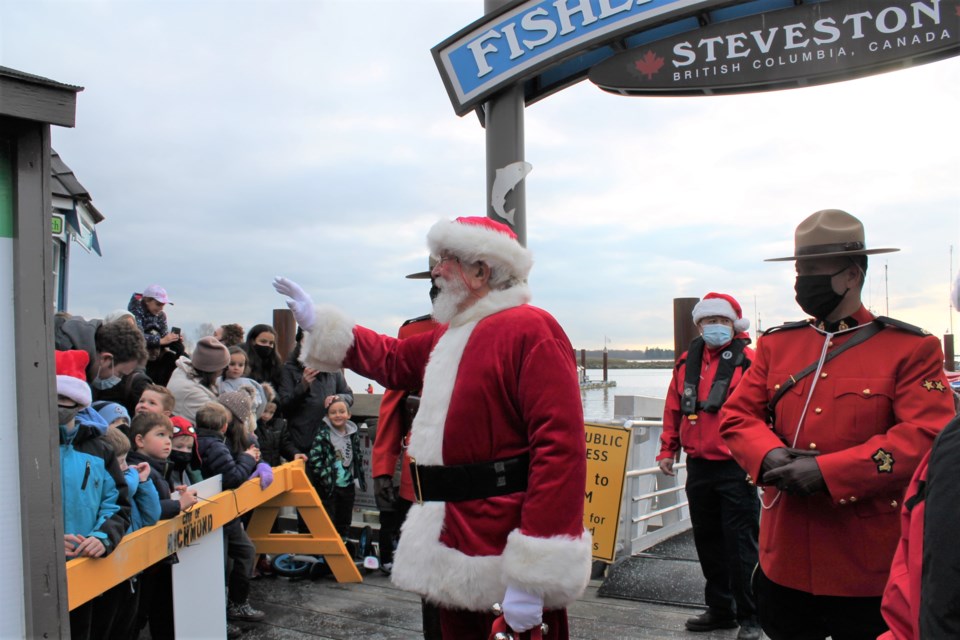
pixel 300 303
pixel 521 610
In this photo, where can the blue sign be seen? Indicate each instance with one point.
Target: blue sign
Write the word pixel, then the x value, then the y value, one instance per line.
pixel 506 46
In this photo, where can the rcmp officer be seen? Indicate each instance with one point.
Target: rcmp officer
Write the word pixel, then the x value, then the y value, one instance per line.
pixel 397 409
pixel 831 420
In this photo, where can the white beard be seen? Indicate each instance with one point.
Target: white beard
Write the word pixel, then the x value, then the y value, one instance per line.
pixel 453 293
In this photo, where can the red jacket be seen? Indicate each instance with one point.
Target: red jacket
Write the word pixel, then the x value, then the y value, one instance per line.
pixel 873 414
pixel 699 438
pixel 393 430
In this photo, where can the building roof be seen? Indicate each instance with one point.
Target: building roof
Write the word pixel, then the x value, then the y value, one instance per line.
pixel 63 182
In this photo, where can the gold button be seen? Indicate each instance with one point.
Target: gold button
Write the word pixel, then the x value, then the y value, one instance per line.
pixel 853 498
pixel 866 392
pixel 893 503
pixel 818 410
pixel 749 478
pixel 842 501
pixel 813 445
pixel 776 387
pixel 830 344
pixel 823 375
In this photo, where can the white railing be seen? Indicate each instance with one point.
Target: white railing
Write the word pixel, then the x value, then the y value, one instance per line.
pixel 654 506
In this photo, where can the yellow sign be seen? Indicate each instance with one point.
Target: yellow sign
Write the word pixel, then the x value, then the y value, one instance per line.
pixel 607 449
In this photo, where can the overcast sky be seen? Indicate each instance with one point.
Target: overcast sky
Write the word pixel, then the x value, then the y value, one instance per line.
pixel 228 142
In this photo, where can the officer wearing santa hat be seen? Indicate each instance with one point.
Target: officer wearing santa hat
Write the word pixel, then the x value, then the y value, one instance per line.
pixel 831 419
pixel 497 446
pixel 723 508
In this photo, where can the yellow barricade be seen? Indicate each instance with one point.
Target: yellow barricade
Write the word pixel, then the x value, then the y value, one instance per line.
pixel 89 577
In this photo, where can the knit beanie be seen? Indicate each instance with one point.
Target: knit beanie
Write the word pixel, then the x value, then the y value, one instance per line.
pixel 210 355
pixel 239 402
pixel 721 304
pixel 72 376
pixel 111 411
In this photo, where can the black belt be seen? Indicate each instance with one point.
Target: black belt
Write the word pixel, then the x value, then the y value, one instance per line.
pixel 459 482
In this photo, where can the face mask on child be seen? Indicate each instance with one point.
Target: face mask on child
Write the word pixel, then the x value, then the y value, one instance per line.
pixel 180 459
pixel 66 414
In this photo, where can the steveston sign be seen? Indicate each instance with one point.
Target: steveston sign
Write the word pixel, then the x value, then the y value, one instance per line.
pixel 800 46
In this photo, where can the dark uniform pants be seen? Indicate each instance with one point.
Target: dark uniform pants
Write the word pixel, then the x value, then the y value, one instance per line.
pixel 789 614
pixel 725 512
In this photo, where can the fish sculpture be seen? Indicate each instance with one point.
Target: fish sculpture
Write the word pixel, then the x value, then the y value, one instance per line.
pixel 504 181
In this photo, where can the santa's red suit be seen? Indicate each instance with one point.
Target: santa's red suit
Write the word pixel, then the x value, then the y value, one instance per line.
pixel 392 425
pixel 498 381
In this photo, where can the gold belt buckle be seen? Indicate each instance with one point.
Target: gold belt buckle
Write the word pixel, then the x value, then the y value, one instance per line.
pixel 417 490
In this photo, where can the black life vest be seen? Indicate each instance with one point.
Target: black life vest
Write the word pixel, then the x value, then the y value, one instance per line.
pixel 731 357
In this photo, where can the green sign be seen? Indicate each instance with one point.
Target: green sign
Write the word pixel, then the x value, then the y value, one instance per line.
pixel 56 225
pixel 6 190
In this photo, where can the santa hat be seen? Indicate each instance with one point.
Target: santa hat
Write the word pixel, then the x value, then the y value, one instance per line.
pixel 72 377
pixel 720 304
pixel 478 239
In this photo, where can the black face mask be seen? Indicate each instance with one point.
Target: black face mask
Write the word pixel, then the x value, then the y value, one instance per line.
pixel 816 296
pixel 180 459
pixel 263 351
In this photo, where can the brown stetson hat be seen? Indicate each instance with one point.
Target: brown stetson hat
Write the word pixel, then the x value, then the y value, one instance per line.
pixel 830 233
pixel 424 275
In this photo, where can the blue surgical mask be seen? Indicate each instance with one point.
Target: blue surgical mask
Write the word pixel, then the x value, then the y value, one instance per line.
pixel 102 384
pixel 717 335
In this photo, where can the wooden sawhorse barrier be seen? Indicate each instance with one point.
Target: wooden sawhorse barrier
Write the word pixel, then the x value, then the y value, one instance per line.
pixel 89 577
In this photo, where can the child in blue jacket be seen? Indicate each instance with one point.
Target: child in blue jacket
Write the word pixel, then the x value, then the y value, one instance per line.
pixel 96 507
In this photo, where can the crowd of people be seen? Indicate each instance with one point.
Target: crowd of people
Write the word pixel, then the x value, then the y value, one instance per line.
pixel 820 427
pixel 141 420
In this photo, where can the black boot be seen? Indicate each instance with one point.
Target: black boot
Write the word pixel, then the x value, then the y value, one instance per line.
pixel 712 619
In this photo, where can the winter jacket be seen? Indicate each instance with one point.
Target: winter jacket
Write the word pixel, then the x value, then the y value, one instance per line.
pixel 187 390
pixel 323 463
pixel 93 489
pixel 77 333
pixel 217 459
pixel 169 507
pixel 303 408
pixel 154 327
pixel 271 436
pixel 144 501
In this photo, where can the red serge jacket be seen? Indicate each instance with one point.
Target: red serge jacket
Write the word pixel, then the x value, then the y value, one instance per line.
pixel 873 413
pixel 699 438
pixel 392 426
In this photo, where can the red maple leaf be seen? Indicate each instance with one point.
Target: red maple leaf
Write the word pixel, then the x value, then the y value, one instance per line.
pixel 649 64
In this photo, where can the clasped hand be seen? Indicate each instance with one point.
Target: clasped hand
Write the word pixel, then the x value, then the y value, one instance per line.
pixel 793 470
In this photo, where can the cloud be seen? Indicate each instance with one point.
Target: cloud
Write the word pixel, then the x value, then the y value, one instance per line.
pixel 230 142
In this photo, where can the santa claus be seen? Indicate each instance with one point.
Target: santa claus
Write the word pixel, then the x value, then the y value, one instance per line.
pixel 497 446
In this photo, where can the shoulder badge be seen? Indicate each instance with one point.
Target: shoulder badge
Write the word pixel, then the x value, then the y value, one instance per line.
pixel 903 326
pixel 933 385
pixel 416 320
pixel 789 325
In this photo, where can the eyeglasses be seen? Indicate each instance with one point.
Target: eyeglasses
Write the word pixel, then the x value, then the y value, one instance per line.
pixel 441 259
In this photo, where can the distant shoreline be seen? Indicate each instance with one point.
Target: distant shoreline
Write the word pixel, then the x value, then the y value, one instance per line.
pixel 616 363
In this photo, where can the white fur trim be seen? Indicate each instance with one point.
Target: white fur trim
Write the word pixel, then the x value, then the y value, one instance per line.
pixel 74 388
pixel 556 568
pixel 441 574
pixel 719 307
pixel 475 244
pixel 326 344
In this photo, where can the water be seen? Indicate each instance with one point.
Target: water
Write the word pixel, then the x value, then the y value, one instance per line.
pixel 597 403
